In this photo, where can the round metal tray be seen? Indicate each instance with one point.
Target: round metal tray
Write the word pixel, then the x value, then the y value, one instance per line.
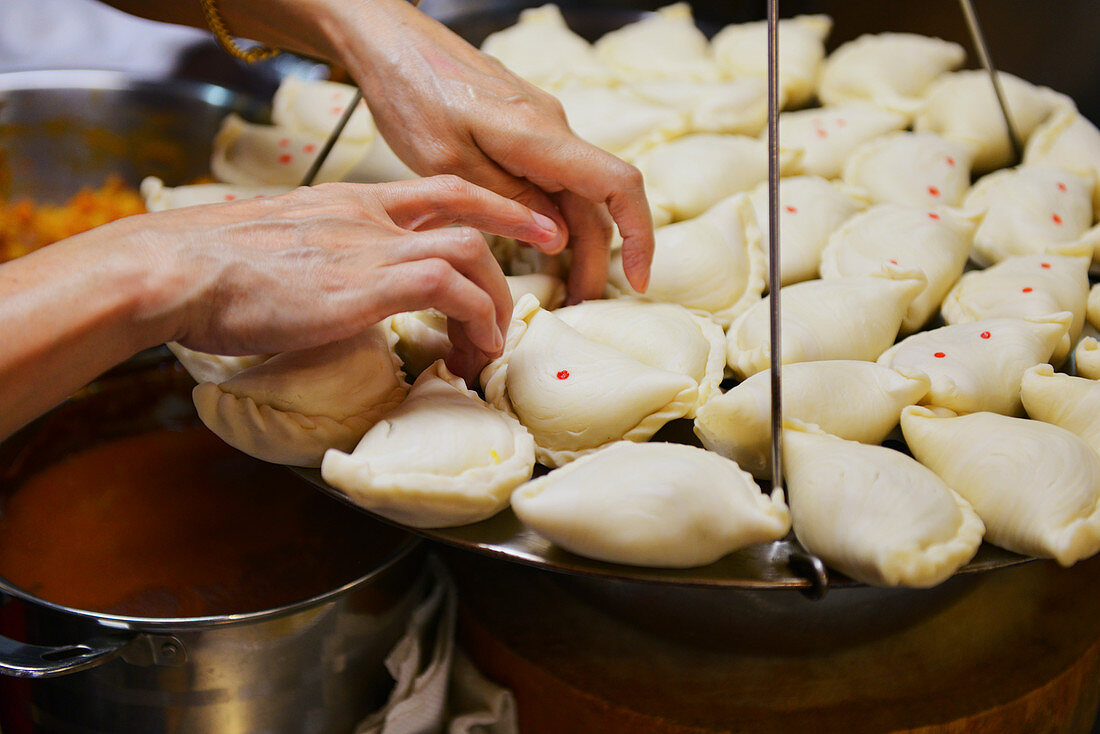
pixel 783 564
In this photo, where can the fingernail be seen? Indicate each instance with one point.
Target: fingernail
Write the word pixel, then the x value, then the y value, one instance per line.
pixel 498 341
pixel 544 222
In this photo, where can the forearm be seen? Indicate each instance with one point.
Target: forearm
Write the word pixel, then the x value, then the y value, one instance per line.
pixel 67 313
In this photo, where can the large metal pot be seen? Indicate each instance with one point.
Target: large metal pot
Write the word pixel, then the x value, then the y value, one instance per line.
pixel 312 666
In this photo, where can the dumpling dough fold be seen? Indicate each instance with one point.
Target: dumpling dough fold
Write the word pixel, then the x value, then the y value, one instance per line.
pixel 936 242
pixel 543 50
pixel 915 169
pixel 441 458
pixel 662 335
pixel 1070 402
pixel 1029 286
pixel 159 198
pixel 712 263
pixel 618 120
pixel 843 318
pixel 961 106
pixel 1086 358
pixel 205 367
pixel 314 107
pixel 874 513
pixel 651 504
pixel 864 403
pixel 1031 209
pixel 666 45
pixel 890 70
pixel 826 136
pixel 810 209
pixel 741 50
pixel 574 394
pixel 294 406
pixel 978 366
pixel 730 106
pixel 1069 141
pixel 1035 485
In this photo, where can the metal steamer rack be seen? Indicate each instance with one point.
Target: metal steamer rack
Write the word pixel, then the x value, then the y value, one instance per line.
pixel 783 564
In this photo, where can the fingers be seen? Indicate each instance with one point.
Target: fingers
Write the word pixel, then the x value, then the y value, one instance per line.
pixel 590 226
pixel 412 286
pixel 465 250
pixel 439 201
pixel 465 360
pixel 599 177
pixel 487 174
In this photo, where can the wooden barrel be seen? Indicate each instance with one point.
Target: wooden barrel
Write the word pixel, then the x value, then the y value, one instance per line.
pixel 1013 650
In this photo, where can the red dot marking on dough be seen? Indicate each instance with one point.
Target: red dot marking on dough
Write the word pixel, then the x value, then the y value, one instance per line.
pixel 822 132
pixel 933 215
pixel 230 197
pixel 939 355
pixel 933 191
pixel 950 161
pixel 841 122
pixel 1026 289
pixel 337 110
pixel 563 375
pixel 285 158
pixel 985 335
pixel 1061 186
pixel 284 142
pixel 335 96
pixel 893 261
pixel 309 148
pixel 791 209
pixel 1057 219
pixel 1045 265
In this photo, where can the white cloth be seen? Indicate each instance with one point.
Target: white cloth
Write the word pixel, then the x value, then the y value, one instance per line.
pixel 437 688
pixel 86 34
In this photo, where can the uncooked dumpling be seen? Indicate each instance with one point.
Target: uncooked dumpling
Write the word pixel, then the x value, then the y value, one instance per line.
pixel 962 106
pixel 619 121
pixel 1070 402
pixel 936 242
pixel 1086 358
pixel 732 106
pixel 689 175
pixel 810 209
pixel 891 70
pixel 1036 486
pixel 314 107
pixel 549 290
pixel 863 403
pixel 842 318
pixel 421 338
pixel 543 50
pixel 666 45
pixel 651 504
pixel 267 155
pixel 915 169
pixel 293 407
pixel 662 335
pixel 1069 141
pixel 159 198
pixel 741 50
pixel 1030 286
pixel 204 367
pixel 826 136
pixel 1093 308
pixel 712 263
pixel 874 513
pixel 380 165
pixel 574 394
pixel 978 366
pixel 1031 209
pixel 441 458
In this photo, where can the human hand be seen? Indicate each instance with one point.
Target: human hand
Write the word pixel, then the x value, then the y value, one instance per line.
pixel 445 107
pixel 320 264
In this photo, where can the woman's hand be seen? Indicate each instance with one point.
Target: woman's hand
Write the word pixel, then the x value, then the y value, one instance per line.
pixel 320 264
pixel 257 276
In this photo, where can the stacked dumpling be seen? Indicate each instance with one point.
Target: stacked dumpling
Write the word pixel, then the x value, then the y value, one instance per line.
pixel 911 294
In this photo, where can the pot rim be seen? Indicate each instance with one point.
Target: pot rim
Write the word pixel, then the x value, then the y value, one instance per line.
pixel 403 550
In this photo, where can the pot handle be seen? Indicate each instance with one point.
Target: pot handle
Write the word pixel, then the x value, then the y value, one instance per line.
pixel 36 661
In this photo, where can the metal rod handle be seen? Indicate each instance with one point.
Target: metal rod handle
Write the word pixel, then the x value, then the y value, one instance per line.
pixel 982 47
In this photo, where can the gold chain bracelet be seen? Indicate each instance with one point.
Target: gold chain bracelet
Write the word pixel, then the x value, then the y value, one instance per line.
pixel 221 32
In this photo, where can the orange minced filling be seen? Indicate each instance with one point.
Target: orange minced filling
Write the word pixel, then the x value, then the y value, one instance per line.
pixel 26 226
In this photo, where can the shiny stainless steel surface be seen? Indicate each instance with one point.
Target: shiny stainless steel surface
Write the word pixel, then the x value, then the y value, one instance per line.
pixel 316 665
pixel 61 131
